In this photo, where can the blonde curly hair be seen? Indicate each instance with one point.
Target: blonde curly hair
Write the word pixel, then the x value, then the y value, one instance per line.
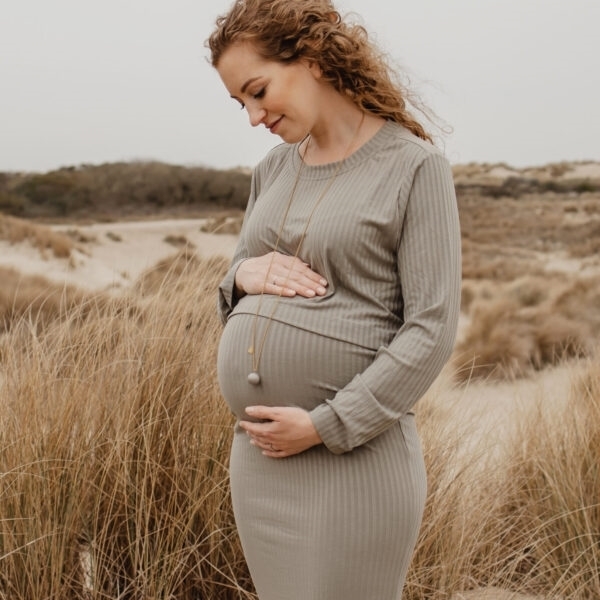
pixel 290 30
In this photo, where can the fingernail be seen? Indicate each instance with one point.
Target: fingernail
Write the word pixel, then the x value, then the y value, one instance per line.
pixel 310 293
pixel 323 281
pixel 250 410
pixel 321 290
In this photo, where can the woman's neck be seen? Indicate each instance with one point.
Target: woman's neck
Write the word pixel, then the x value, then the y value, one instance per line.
pixel 339 134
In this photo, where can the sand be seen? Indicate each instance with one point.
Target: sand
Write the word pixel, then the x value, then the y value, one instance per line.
pixel 117 253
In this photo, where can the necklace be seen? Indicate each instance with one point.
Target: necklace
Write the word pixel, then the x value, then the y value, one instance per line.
pixel 256 353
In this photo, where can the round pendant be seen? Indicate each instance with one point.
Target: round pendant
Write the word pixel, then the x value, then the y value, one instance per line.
pixel 254 378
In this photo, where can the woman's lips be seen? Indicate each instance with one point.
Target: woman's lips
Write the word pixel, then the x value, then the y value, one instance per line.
pixel 273 126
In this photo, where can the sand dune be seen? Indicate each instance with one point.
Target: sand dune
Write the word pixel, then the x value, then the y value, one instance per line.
pixel 115 254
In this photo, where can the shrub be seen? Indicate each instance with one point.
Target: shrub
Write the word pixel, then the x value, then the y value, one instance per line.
pixel 12 204
pixel 117 189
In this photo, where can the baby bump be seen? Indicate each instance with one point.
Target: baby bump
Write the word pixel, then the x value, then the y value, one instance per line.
pixel 297 367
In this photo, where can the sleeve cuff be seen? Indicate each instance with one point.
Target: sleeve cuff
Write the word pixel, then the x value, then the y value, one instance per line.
pixel 330 428
pixel 226 292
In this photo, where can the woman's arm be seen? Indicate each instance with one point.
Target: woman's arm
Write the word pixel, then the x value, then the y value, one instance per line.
pixel 429 263
pixel 272 273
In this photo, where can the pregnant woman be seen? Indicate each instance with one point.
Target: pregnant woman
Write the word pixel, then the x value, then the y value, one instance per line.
pixel 340 305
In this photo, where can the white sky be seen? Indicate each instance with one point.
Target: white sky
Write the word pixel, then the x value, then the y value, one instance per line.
pixel 86 81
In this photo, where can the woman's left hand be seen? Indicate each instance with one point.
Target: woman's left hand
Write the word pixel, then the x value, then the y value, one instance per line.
pixel 285 432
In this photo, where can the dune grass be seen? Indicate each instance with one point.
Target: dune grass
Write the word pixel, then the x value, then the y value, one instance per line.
pixel 35 299
pixel 114 442
pixel 527 324
pixel 45 239
pixel 517 509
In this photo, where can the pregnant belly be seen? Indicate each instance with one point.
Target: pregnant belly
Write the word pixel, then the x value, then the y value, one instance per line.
pixel 297 367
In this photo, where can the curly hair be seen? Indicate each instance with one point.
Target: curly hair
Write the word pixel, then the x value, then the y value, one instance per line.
pixel 290 30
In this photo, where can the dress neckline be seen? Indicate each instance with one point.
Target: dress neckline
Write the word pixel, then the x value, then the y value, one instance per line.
pixel 364 152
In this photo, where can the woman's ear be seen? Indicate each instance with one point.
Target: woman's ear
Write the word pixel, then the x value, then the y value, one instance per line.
pixel 314 67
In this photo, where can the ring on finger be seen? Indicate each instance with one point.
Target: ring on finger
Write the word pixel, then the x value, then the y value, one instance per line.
pixel 273 449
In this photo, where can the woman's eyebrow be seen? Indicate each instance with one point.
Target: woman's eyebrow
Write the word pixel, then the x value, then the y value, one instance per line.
pixel 243 89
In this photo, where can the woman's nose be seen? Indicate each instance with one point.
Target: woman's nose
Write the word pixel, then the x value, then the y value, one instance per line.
pixel 256 115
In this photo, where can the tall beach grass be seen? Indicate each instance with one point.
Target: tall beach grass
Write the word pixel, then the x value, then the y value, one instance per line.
pixel 114 443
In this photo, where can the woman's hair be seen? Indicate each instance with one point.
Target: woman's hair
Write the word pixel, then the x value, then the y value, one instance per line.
pixel 290 30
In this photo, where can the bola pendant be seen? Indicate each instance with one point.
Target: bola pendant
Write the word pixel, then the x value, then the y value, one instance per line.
pixel 253 378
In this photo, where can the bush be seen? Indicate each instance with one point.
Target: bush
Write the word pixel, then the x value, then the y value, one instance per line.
pixel 12 204
pixel 117 189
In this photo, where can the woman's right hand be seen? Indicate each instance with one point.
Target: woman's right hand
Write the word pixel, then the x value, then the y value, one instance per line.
pixel 279 274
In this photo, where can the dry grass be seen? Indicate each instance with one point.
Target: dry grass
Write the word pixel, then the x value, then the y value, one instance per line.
pixel 114 438
pixel 114 447
pixel 522 228
pixel 34 298
pixel 228 222
pixel 518 509
pixel 483 261
pixel 16 230
pixel 114 444
pixel 528 324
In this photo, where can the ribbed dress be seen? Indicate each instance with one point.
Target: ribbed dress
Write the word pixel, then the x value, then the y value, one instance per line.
pixel 340 520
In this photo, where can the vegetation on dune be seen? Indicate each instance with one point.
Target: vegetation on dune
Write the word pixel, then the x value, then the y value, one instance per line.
pixel 35 299
pixel 519 509
pixel 524 228
pixel 525 325
pixel 116 190
pixel 114 448
pixel 115 441
pixel 517 187
pixel 114 438
pixel 15 230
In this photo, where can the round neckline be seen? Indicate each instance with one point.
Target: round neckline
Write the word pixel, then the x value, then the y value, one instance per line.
pixel 358 156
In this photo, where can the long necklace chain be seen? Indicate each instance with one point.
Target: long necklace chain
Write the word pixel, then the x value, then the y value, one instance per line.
pixel 256 353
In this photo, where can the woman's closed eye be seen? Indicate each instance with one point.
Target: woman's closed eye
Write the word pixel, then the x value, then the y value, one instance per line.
pixel 256 96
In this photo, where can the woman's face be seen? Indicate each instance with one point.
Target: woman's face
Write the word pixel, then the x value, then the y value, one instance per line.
pixel 282 97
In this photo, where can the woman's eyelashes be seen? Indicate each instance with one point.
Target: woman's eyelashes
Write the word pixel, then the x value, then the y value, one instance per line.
pixel 257 96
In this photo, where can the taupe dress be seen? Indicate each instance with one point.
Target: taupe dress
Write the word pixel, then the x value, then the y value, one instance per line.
pixel 340 521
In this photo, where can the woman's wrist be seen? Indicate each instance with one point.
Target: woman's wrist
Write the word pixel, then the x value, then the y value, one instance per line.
pixel 238 290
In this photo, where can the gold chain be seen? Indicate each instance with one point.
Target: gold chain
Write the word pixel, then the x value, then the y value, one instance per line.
pixel 254 376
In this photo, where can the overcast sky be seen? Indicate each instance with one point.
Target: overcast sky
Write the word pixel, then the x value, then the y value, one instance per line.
pixel 84 81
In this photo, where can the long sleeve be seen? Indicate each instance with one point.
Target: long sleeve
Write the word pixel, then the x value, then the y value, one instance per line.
pixel 429 265
pixel 226 295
